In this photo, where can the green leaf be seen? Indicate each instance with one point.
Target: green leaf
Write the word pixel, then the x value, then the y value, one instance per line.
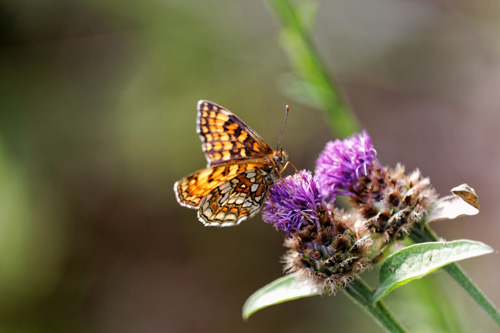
pixel 421 259
pixel 464 201
pixel 284 289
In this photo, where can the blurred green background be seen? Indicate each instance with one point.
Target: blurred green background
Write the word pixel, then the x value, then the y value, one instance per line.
pixel 97 121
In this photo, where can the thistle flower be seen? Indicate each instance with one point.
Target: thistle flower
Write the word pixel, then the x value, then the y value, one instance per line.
pixel 294 202
pixel 326 246
pixel 343 163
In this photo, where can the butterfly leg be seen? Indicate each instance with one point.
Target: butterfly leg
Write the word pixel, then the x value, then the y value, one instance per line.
pixel 281 176
pixel 287 164
pixel 282 170
pixel 270 199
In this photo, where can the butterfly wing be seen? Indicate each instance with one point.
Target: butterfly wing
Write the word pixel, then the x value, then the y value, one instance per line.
pixel 190 190
pixel 234 200
pixel 225 137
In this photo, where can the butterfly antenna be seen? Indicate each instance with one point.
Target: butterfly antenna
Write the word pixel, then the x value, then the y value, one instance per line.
pixel 283 128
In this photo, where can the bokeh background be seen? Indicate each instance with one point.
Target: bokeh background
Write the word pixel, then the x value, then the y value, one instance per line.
pixel 97 121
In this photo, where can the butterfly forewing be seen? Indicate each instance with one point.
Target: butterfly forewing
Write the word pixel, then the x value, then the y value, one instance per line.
pixel 225 137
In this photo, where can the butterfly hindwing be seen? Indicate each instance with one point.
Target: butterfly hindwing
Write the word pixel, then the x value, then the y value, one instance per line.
pixel 234 200
pixel 225 137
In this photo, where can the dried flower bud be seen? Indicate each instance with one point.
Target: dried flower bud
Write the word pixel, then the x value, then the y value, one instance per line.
pixel 395 203
pixel 329 255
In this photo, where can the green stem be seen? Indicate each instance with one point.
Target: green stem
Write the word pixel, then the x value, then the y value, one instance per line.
pixel 456 272
pixel 343 121
pixel 362 294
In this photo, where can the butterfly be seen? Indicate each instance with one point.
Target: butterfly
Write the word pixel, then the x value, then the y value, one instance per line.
pixel 241 167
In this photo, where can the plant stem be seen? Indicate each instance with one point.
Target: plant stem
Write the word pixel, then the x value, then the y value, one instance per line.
pixel 313 71
pixel 362 294
pixel 426 234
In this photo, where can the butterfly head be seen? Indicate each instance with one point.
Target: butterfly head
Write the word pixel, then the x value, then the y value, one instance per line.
pixel 278 164
pixel 280 158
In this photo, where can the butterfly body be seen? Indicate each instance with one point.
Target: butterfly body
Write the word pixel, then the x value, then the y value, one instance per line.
pixel 241 166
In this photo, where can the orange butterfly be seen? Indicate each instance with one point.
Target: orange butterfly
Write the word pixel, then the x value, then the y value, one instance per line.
pixel 241 167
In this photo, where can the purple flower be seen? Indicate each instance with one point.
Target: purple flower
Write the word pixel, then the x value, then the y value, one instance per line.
pixel 342 163
pixel 293 203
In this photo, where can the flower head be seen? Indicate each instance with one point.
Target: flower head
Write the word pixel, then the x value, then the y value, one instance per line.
pixel 326 246
pixel 294 202
pixel 343 162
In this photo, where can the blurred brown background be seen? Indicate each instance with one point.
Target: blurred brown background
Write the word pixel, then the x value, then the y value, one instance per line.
pixel 97 121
